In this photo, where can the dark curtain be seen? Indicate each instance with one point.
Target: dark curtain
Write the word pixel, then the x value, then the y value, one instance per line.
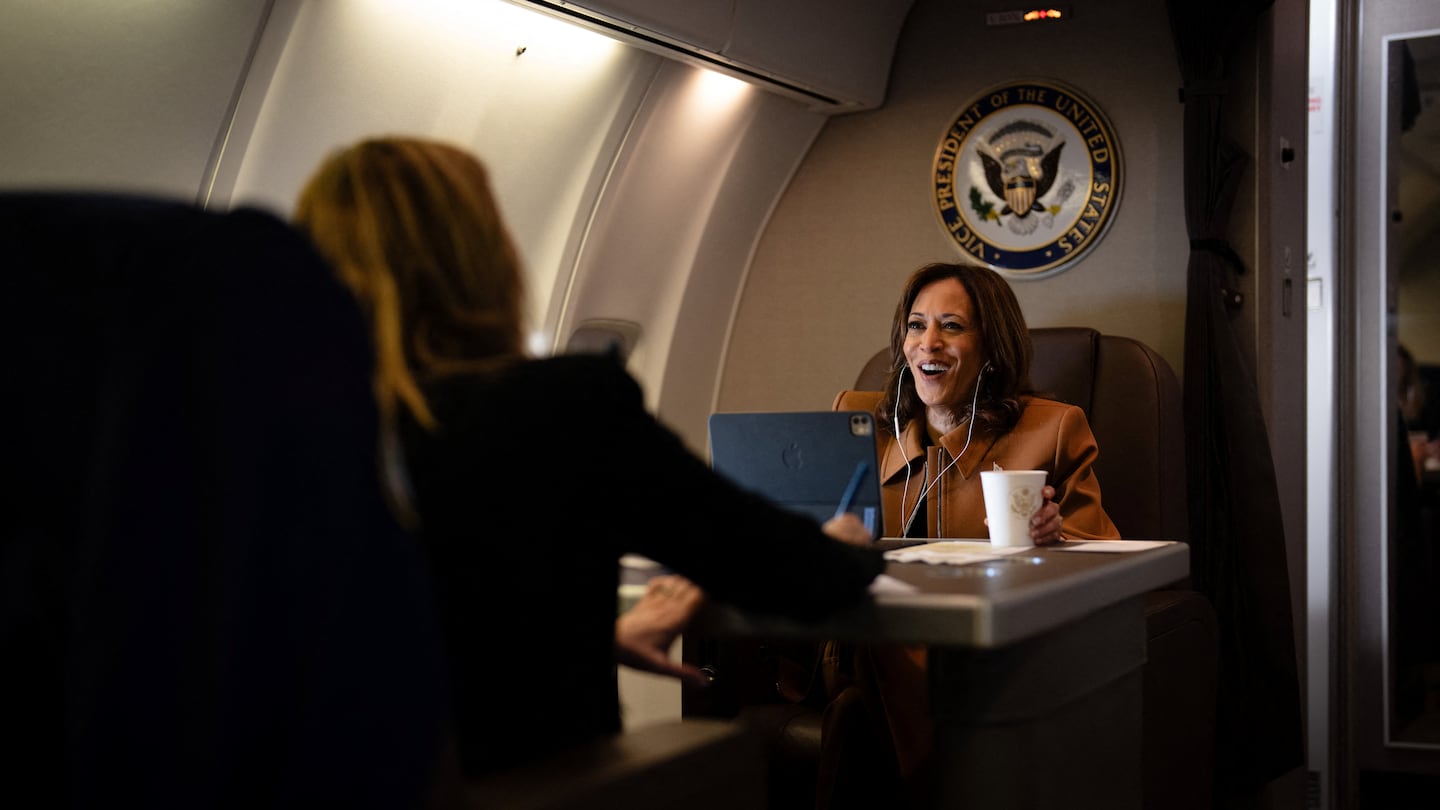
pixel 1237 536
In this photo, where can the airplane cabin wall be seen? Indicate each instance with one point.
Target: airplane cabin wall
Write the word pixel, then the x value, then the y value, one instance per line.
pixel 859 217
pixel 680 226
pixel 120 96
pixel 635 185
pixel 547 120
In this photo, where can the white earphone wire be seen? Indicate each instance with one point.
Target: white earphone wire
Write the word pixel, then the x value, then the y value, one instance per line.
pixel 896 416
pixel 969 432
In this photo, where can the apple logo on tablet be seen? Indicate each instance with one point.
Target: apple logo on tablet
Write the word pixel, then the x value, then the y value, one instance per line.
pixel 793 457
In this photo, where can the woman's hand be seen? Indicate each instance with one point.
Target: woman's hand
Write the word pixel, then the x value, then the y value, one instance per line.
pixel 645 632
pixel 848 528
pixel 1046 526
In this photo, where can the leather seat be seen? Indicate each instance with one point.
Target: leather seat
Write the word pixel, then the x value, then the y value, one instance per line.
pixel 1132 399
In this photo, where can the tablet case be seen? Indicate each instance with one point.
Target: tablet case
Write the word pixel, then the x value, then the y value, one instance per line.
pixel 804 461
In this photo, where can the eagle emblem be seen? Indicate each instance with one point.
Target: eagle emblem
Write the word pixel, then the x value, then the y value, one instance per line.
pixel 1027 177
pixel 1021 161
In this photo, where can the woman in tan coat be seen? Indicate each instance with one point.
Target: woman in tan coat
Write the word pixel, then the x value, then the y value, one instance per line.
pixel 957 400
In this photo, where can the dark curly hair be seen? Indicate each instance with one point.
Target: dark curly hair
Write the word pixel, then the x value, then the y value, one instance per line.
pixel 1004 338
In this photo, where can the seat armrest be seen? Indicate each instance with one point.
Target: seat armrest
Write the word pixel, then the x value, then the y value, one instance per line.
pixel 698 764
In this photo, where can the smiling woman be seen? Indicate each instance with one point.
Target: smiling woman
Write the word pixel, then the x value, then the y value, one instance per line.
pixel 958 400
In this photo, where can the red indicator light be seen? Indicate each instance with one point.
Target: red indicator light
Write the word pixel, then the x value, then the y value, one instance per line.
pixel 1026 15
pixel 1042 14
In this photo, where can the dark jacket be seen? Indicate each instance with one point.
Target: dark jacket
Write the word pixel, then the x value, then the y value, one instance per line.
pixel 535 484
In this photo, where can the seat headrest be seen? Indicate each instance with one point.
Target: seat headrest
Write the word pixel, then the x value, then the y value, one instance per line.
pixel 1062 363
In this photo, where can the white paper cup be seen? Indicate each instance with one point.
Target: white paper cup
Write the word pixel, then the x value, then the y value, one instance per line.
pixel 1012 497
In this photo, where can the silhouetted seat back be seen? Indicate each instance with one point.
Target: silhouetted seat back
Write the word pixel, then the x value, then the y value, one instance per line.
pixel 205 601
pixel 695 764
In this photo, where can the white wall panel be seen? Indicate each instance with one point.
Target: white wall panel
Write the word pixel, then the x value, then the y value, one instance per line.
pixel 705 24
pixel 833 55
pixel 676 226
pixel 119 96
pixel 546 120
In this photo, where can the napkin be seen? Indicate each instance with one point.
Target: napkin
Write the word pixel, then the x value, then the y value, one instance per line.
pixel 953 552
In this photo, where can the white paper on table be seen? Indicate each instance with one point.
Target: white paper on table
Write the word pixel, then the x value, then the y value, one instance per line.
pixel 954 552
pixel 638 562
pixel 1114 546
pixel 884 583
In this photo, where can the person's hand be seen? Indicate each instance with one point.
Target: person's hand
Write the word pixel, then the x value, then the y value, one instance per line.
pixel 1046 526
pixel 645 632
pixel 848 528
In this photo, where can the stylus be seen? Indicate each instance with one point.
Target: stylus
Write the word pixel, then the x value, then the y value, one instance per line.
pixel 852 488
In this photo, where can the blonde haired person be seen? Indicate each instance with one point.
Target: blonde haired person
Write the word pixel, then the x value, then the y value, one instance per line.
pixel 530 477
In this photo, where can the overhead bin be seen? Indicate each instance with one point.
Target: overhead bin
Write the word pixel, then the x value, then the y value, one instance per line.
pixel 832 55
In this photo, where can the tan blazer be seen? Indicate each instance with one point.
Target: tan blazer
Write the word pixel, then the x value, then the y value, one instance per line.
pixel 1050 436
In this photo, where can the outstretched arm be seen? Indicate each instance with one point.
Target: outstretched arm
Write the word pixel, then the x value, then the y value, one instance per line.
pixel 645 632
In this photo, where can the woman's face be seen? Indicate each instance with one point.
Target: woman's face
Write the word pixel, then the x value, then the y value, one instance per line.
pixel 942 345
